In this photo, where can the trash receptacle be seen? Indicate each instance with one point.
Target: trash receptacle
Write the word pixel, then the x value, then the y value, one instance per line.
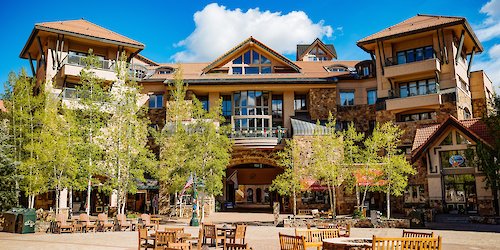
pixel 26 221
pixel 10 218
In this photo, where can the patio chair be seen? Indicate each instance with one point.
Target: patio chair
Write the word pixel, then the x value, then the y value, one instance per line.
pixel 143 239
pixel 179 245
pixel 87 225
pixel 210 232
pixel 237 233
pixel 290 242
pixel 62 225
pixel 104 223
pixel 235 246
pixel 122 222
pixel 146 221
pixel 163 238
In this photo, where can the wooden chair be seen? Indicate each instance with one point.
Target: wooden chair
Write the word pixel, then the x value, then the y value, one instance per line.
pixel 412 234
pixel 143 239
pixel 385 243
pixel 123 223
pixel 163 238
pixel 235 246
pixel 238 233
pixel 87 225
pixel 314 237
pixel 210 232
pixel 62 225
pixel 179 245
pixel 290 242
pixel 104 223
pixel 146 221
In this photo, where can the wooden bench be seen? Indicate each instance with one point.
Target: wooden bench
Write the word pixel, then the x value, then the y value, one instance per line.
pixel 314 237
pixel 414 243
pixel 412 234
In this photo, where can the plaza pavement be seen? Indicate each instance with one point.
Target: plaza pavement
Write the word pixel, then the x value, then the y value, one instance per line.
pixel 259 237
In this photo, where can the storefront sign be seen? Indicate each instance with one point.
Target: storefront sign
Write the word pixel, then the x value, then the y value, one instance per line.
pixel 456 160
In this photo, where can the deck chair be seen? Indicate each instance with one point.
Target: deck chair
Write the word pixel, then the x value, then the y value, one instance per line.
pixel 210 232
pixel 179 245
pixel 290 242
pixel 104 223
pixel 235 246
pixel 146 221
pixel 237 234
pixel 143 239
pixel 163 238
pixel 87 225
pixel 62 225
pixel 123 223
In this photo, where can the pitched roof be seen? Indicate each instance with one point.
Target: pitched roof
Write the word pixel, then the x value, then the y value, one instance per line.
pixel 243 45
pixel 473 128
pixel 309 70
pixel 417 23
pixel 88 29
pixel 303 48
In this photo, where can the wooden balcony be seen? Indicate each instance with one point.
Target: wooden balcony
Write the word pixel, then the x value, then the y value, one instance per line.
pixel 413 68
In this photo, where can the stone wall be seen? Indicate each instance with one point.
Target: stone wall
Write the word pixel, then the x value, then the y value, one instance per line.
pixel 361 115
pixel 247 156
pixel 479 107
pixel 322 102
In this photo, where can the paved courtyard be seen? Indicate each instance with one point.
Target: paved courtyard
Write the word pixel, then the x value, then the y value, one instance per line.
pixel 259 237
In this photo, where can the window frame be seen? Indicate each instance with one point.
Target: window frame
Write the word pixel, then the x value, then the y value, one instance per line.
pixel 347 92
pixel 156 96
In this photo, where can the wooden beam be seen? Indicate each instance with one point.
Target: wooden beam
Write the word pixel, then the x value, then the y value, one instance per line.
pixel 470 61
pixel 440 56
pixel 445 49
pixel 381 58
pixel 53 54
pixel 31 64
pixel 57 51
pixel 60 52
pixel 40 47
pixel 460 46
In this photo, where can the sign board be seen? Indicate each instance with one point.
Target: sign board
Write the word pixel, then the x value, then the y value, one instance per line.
pixel 456 160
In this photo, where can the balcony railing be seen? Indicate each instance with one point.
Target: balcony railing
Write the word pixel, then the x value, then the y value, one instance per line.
pixel 390 61
pixel 81 61
pixel 275 132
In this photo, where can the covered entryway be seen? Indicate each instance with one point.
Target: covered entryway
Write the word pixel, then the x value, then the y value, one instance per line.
pixel 247 187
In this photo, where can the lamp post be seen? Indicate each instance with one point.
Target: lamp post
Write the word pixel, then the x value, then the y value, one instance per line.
pixel 194 218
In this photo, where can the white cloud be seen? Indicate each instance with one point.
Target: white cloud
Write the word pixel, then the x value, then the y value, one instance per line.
pixel 491 25
pixel 491 66
pixel 219 29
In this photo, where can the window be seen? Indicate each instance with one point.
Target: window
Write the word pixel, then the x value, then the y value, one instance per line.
pixel 461 139
pixel 417 116
pixel 277 107
pixel 226 107
pixel 347 98
pixel 414 194
pixel 371 96
pixel 448 140
pixel 366 71
pixel 421 87
pixel 414 55
pixel 204 101
pixel 467 114
pixel 300 103
pixel 464 85
pixel 251 63
pixel 251 103
pixel 156 101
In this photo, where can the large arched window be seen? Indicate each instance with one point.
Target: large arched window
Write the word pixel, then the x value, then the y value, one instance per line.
pixel 251 63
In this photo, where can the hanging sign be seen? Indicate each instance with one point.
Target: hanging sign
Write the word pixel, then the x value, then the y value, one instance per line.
pixel 456 160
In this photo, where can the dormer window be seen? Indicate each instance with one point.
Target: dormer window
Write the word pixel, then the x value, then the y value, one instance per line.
pixel 165 71
pixel 336 68
pixel 251 63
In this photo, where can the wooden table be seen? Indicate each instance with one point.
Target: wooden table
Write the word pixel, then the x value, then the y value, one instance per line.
pixel 347 243
pixel 156 220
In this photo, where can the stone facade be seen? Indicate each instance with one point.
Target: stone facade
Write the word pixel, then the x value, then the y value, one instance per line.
pixel 321 103
pixel 247 156
pixel 361 115
pixel 479 107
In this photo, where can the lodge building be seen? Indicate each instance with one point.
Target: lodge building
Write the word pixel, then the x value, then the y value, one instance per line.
pixel 418 75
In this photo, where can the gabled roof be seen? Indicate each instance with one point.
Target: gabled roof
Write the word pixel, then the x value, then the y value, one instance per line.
pixel 85 29
pixel 302 49
pixel 242 46
pixel 146 60
pixel 421 23
pixel 425 136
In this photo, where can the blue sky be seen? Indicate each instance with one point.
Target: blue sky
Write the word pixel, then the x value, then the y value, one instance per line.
pixel 162 25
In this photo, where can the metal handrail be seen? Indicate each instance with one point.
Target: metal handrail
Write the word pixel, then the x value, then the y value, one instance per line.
pixel 80 61
pixel 393 60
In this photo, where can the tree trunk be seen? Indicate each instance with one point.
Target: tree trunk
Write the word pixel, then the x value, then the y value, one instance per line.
pixel 364 198
pixel 294 203
pixel 334 191
pixel 29 201
pixel 388 200
pixel 332 201
pixel 358 200
pixel 57 200
pixel 89 191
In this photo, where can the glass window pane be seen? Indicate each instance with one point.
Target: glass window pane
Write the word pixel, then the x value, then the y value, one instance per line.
pixel 236 99
pixel 265 70
pixel 255 57
pixel 410 56
pixel 346 98
pixel 243 99
pixel 422 87
pixel 401 58
pixel 251 99
pixel 372 96
pixel 237 60
pixel 251 70
pixel 237 71
pixel 246 57
pixel 429 52
pixel 413 89
pixel 419 54
pixel 152 101
pixel 264 60
pixel 403 90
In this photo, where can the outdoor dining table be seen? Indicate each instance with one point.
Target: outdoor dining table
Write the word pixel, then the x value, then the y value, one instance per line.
pixel 347 243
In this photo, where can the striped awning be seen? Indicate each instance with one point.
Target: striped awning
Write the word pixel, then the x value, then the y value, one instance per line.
pixel 306 128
